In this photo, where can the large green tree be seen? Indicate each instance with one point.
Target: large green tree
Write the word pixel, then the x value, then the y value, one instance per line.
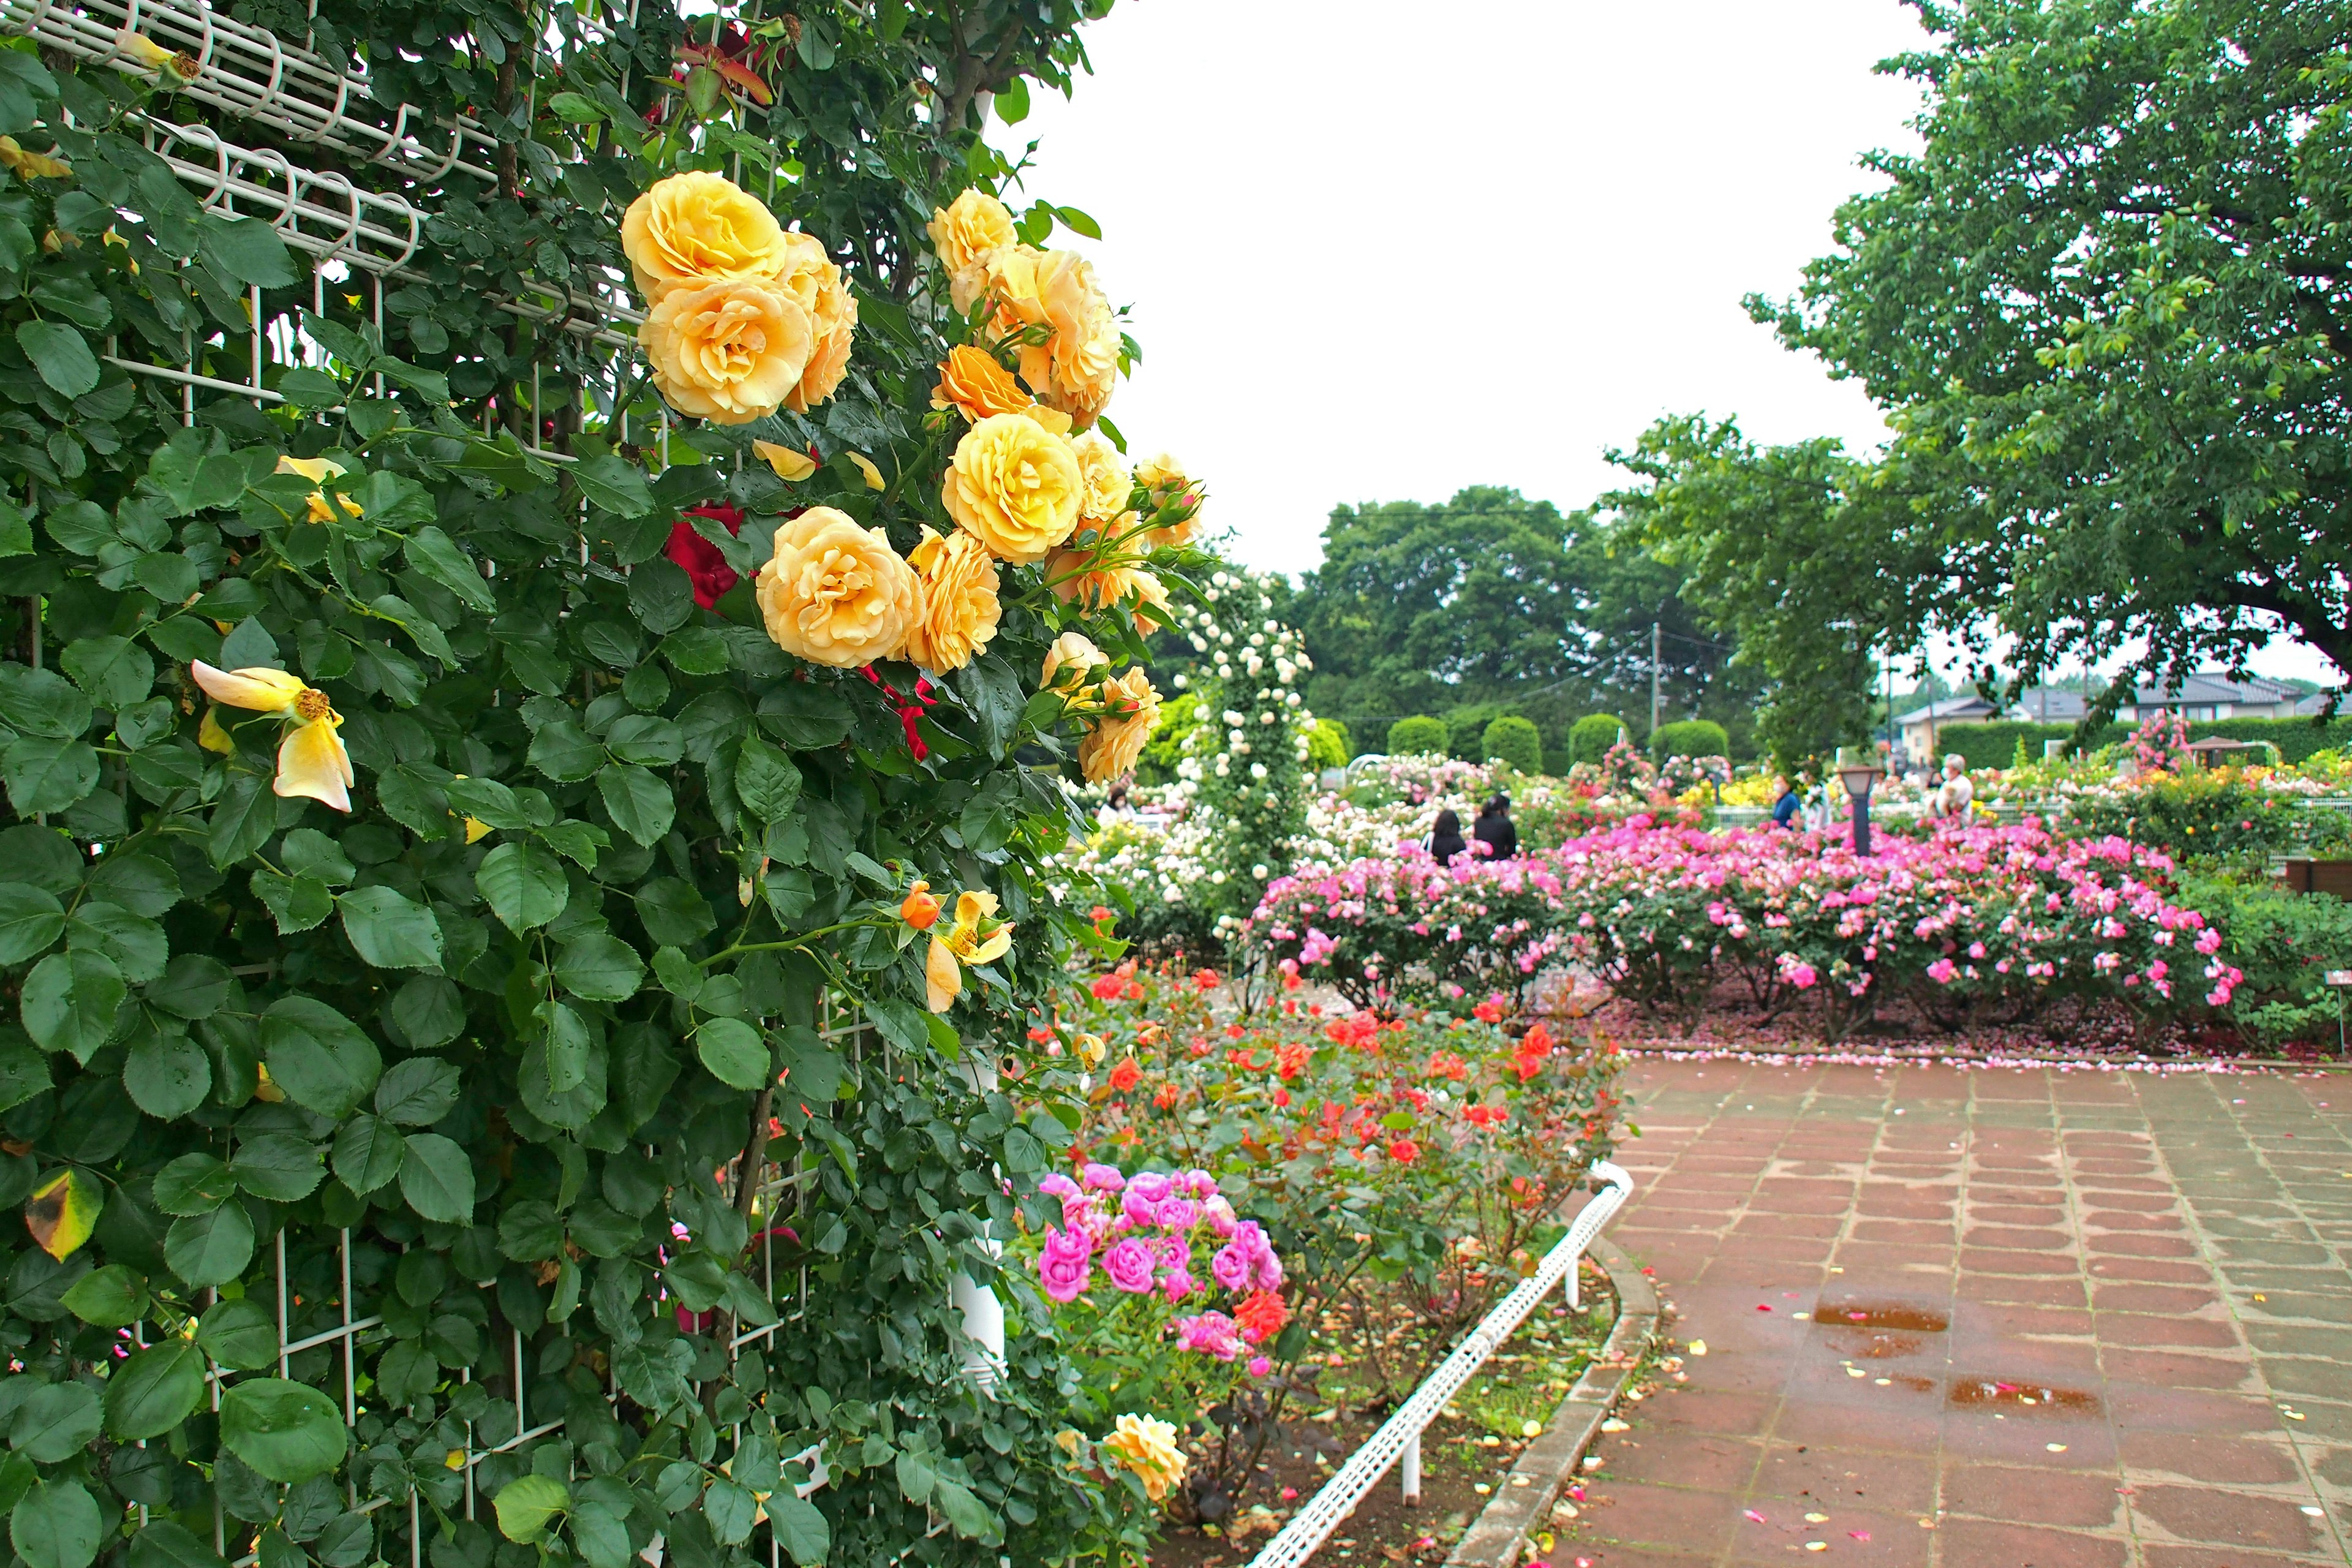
pixel 1776 546
pixel 2107 307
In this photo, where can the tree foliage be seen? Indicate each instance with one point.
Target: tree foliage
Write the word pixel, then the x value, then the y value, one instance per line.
pixel 2106 308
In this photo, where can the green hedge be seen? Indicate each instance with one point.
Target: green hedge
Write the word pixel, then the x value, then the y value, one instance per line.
pixel 1516 741
pixel 1419 733
pixel 1329 746
pixel 1592 735
pixel 1690 738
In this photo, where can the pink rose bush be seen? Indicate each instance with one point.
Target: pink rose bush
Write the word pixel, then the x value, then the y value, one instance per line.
pixel 1975 923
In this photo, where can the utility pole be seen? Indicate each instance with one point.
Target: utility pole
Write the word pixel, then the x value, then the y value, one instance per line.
pixel 1654 680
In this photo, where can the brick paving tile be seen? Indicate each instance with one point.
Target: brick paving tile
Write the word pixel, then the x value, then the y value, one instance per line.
pixel 2013 1328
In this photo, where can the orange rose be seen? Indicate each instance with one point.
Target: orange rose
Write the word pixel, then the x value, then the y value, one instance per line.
pixel 1105 586
pixel 973 382
pixel 960 605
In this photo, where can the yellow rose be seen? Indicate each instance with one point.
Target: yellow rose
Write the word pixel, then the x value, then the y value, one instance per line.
pixel 1163 477
pixel 727 351
pixel 700 229
pixel 317 470
pixel 960 607
pixel 808 276
pixel 1017 485
pixel 1108 484
pixel 964 234
pixel 1117 738
pixel 1147 1447
pixel 1071 650
pixel 837 594
pixel 972 382
pixel 1074 369
pixel 1102 587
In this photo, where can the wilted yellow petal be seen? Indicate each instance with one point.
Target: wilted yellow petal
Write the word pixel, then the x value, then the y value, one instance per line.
pixel 261 689
pixel 265 1090
pixel 212 737
pixel 62 1212
pixel 317 470
pixel 942 976
pixel 312 761
pixel 143 48
pixel 790 465
pixel 476 830
pixel 874 480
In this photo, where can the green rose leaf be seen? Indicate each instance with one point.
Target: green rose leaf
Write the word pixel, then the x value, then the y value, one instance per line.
pixel 56 1525
pixel 525 885
pixel 31 921
pixel 389 930
pixel 114 1297
pixel 735 1052
pixel 61 354
pixel 56 1421
pixel 70 1000
pixel 286 1431
pixel 641 804
pixel 436 1179
pixel 527 1503
pixel 210 1248
pixel 240 1334
pixel 154 1391
pixel 318 1057
pixel 600 968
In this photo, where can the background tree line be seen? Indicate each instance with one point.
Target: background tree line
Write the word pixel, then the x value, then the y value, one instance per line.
pixel 2106 308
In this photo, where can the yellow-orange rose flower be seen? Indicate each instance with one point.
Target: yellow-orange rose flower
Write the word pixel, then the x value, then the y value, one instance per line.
pixel 1014 484
pixel 1071 650
pixel 1147 1445
pixel 1104 587
pixel 1111 747
pixel 837 594
pixel 1075 368
pixel 1108 484
pixel 973 382
pixel 695 229
pixel 964 234
pixel 808 276
pixel 1164 479
pixel 727 351
pixel 959 607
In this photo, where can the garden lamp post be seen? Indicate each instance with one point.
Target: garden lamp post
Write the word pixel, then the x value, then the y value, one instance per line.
pixel 1858 770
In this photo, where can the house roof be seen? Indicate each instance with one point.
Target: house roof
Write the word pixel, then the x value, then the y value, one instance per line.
pixel 1950 707
pixel 2215 685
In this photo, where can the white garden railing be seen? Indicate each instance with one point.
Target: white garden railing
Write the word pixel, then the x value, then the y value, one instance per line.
pixel 1398 1442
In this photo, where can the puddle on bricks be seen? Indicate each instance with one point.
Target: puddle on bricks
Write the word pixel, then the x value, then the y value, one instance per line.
pixel 2030 1397
pixel 1878 1330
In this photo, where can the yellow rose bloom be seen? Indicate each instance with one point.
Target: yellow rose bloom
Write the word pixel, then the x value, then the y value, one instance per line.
pixel 1163 477
pixel 960 604
pixel 1111 747
pixel 1147 1447
pixel 1105 586
pixel 837 594
pixel 964 234
pixel 1108 484
pixel 1017 485
pixel 1073 651
pixel 317 470
pixel 311 761
pixel 727 351
pixel 808 276
pixel 695 229
pixel 1075 368
pixel 978 936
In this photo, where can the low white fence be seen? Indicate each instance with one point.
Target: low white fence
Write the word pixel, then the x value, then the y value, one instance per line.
pixel 1398 1442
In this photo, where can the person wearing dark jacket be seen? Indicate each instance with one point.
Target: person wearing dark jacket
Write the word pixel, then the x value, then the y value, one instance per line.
pixel 1785 809
pixel 1497 839
pixel 1446 840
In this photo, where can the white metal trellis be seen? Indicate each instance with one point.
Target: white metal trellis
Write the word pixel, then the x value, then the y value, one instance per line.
pixel 1399 1438
pixel 250 72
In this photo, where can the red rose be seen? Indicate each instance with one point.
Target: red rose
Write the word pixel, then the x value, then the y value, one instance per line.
pixel 708 568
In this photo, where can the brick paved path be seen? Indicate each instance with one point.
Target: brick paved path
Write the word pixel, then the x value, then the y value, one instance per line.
pixel 2155 1264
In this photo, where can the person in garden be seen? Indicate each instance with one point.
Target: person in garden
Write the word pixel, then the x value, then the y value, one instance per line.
pixel 1953 797
pixel 1786 803
pixel 1493 830
pixel 1446 840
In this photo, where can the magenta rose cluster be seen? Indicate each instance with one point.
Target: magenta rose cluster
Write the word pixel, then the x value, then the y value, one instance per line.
pixel 1146 1231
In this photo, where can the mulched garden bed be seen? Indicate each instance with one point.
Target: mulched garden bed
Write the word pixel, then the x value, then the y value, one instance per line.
pixel 1466 1453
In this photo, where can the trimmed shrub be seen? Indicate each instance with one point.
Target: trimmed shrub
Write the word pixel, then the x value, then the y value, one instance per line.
pixel 1419 733
pixel 1466 730
pixel 1592 735
pixel 1690 738
pixel 1516 741
pixel 1328 745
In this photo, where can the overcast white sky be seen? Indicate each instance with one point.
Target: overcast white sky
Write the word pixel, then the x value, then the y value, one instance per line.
pixel 1379 251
